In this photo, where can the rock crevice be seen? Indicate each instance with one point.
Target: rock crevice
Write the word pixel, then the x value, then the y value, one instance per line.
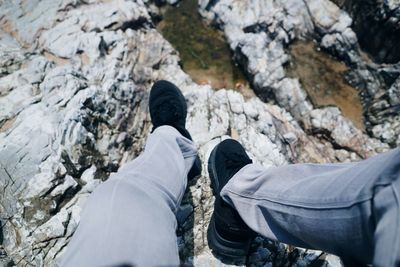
pixel 74 85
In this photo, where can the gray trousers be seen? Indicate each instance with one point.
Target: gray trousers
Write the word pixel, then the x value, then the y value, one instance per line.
pixel 130 218
pixel 348 209
pixel 351 209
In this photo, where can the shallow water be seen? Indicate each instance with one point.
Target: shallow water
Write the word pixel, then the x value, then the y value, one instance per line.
pixel 204 53
pixel 206 57
pixel 323 78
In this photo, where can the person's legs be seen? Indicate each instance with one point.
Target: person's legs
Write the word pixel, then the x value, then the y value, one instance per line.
pixel 130 219
pixel 343 209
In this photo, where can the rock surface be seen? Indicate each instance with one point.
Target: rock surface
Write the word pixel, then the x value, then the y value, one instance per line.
pixel 259 32
pixel 74 84
pixel 377 24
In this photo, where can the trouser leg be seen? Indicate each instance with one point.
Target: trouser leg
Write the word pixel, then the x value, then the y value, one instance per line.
pixel 331 207
pixel 130 218
pixel 386 206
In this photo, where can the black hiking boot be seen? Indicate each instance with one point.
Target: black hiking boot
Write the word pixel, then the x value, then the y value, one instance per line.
pixel 168 107
pixel 227 234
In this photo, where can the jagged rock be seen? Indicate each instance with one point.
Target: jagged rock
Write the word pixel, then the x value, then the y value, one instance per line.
pixel 11 54
pixel 259 31
pixel 261 51
pixel 329 123
pixel 332 27
pixel 327 17
pixel 73 93
pixel 61 119
pixel 377 26
pixel 385 112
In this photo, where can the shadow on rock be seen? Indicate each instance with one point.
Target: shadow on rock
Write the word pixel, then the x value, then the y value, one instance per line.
pixel 185 231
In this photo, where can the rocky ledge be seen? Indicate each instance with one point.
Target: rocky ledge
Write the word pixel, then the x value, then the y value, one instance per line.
pixel 74 84
pixel 259 33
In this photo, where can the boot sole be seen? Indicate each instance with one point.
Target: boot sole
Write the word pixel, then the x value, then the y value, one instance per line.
pixel 224 247
pixel 218 244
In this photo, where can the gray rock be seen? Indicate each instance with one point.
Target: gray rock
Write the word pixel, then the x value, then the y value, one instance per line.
pixel 327 17
pixel 384 112
pixel 258 33
pixel 71 115
pixel 377 26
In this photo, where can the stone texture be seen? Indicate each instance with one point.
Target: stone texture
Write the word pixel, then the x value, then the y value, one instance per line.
pixel 384 112
pixel 259 31
pixel 377 26
pixel 74 84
